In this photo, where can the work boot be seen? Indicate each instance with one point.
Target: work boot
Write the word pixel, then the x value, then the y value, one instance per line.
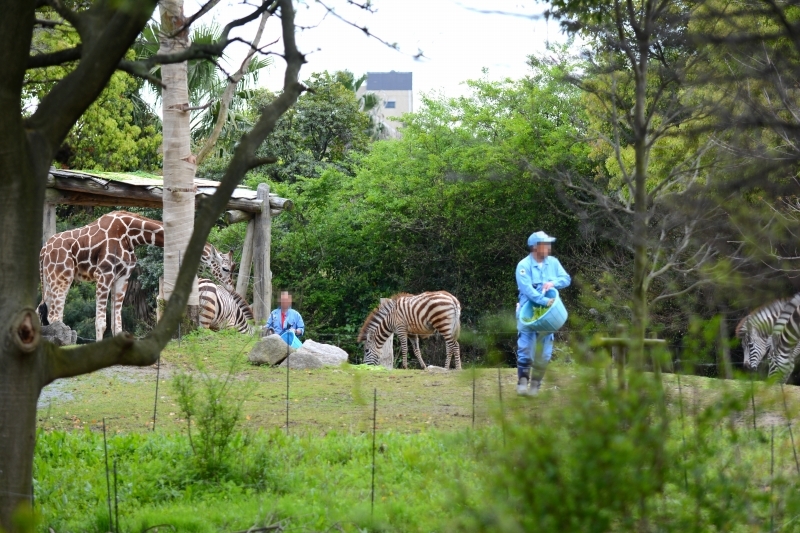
pixel 522 386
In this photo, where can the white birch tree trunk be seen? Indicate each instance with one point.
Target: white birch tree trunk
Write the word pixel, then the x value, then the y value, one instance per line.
pixel 179 162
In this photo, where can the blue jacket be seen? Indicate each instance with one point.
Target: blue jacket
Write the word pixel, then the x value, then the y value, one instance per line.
pixel 293 321
pixel 531 275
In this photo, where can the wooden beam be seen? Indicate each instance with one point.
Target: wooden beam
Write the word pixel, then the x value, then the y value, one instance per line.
pixel 247 260
pixel 234 216
pixel 237 215
pixel 262 242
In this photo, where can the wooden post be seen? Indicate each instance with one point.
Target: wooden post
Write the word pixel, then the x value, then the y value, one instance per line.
pixel 48 222
pixel 160 302
pixel 387 352
pixel 262 241
pixel 724 349
pixel 247 260
pixel 622 353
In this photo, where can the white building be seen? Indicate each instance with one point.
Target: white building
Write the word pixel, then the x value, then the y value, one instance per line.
pixel 395 91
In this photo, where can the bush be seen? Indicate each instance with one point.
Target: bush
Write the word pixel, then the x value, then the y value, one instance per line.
pixel 214 402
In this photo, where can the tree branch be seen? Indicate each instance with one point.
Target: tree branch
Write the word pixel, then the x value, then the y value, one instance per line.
pixel 54 58
pixel 233 81
pixel 123 349
pixel 69 99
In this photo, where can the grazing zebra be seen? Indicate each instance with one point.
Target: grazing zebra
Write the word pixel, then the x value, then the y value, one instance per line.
pixel 786 340
pixel 755 330
pixel 221 308
pixel 419 315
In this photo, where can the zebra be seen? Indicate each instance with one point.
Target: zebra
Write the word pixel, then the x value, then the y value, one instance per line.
pixel 755 330
pixel 221 308
pixel 419 315
pixel 786 340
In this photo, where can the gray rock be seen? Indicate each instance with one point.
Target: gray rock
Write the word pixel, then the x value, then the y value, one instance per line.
pixel 435 369
pixel 303 360
pixel 60 334
pixel 270 350
pixel 327 354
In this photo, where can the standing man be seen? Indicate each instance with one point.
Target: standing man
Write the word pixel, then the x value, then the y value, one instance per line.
pixel 536 274
pixel 285 321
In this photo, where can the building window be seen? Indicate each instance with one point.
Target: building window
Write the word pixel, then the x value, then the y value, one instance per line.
pixel 390 104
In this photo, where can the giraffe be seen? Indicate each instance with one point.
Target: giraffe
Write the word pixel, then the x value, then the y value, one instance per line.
pixel 103 252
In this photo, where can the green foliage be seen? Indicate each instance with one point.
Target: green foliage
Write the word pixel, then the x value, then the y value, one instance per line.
pixel 325 129
pixel 448 206
pixel 312 482
pixel 117 132
pixel 216 409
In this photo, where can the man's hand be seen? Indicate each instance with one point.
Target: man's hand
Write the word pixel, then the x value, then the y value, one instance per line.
pixel 547 286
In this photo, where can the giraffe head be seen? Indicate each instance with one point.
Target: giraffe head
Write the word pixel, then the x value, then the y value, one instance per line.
pixel 221 265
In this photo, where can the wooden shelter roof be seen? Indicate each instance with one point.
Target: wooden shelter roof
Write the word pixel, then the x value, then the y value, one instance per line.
pixel 139 189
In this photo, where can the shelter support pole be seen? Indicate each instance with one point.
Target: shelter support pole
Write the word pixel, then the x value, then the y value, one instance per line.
pixel 262 242
pixel 247 260
pixel 49 221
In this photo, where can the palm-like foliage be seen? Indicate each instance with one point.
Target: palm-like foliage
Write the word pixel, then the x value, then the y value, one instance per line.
pixel 207 82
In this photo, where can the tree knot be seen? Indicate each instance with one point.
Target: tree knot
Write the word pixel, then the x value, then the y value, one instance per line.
pixel 26 330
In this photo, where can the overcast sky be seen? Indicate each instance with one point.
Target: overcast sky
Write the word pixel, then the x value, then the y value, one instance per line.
pixel 457 41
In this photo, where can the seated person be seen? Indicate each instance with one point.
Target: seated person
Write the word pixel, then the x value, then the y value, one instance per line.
pixel 285 321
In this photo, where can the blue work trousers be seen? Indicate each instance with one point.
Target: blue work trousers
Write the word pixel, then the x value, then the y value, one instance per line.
pixel 528 361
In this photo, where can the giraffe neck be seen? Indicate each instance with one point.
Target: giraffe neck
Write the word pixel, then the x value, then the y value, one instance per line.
pixel 145 231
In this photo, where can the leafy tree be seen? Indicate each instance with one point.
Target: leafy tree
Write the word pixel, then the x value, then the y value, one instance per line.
pixel 326 128
pixel 31 138
pixel 448 206
pixel 118 132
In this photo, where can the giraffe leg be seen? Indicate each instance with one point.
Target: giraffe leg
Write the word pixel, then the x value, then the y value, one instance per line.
pixel 120 288
pixel 417 352
pixel 104 284
pixel 55 298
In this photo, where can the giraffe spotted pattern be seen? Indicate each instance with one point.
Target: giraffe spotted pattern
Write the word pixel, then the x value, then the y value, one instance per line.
pixel 103 252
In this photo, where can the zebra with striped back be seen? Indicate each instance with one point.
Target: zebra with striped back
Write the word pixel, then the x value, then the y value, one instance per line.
pixel 786 340
pixel 419 315
pixel 221 308
pixel 755 330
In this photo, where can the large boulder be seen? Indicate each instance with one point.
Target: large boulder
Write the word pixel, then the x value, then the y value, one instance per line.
pixel 302 360
pixel 316 355
pixel 59 334
pixel 328 354
pixel 271 350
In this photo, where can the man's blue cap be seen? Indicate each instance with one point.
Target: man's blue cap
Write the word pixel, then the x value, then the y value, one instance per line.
pixel 538 237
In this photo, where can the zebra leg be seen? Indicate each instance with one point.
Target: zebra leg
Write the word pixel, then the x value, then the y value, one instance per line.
pixel 453 349
pixel 417 352
pixel 404 348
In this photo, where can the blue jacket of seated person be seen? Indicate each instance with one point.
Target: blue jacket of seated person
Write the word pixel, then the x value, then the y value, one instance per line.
pixel 293 321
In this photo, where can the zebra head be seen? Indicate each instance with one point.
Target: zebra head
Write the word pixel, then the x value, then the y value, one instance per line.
pixel 376 331
pixel 221 265
pixel 755 347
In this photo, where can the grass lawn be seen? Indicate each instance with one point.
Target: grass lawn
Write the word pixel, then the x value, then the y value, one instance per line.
pixel 429 469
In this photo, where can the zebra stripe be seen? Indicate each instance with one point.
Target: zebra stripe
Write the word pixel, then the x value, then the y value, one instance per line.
pixel 220 308
pixel 755 330
pixel 419 315
pixel 786 340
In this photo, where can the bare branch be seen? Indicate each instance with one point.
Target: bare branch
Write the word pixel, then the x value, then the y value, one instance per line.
pixel 233 81
pixel 54 58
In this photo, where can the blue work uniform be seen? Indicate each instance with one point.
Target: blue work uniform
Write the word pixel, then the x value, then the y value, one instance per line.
pixel 293 320
pixel 531 275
